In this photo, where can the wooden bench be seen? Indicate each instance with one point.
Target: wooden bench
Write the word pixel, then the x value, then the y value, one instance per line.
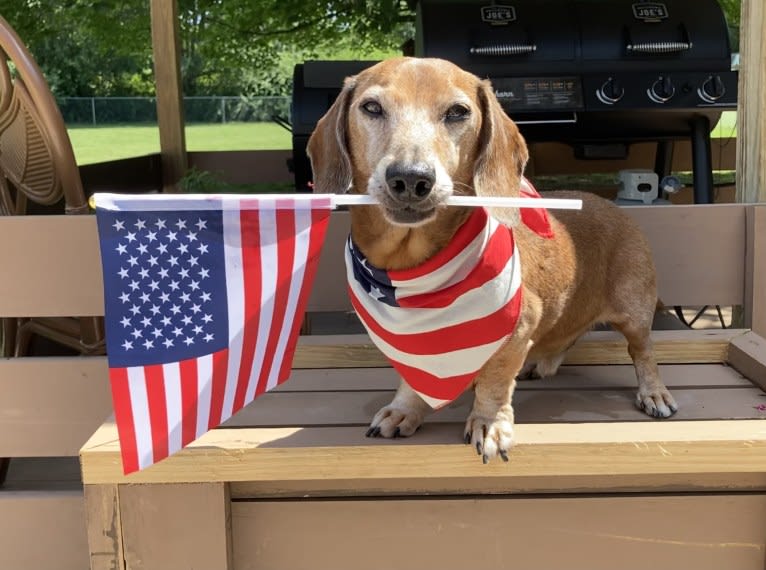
pixel 291 481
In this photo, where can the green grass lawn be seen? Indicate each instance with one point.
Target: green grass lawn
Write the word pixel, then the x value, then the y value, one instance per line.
pixel 99 144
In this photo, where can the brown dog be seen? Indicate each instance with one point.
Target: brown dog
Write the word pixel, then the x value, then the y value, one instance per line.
pixel 412 132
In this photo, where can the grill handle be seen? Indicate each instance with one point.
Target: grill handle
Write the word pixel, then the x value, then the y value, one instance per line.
pixel 503 49
pixel 659 47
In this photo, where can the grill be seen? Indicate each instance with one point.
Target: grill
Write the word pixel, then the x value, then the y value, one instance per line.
pixel 596 74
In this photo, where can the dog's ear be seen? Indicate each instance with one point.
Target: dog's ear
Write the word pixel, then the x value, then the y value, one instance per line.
pixel 328 147
pixel 502 155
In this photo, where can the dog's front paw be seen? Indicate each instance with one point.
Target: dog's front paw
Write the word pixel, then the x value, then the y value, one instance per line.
pixel 658 403
pixel 490 436
pixel 395 421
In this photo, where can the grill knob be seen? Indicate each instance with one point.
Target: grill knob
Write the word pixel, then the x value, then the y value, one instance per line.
pixel 661 90
pixel 712 90
pixel 610 92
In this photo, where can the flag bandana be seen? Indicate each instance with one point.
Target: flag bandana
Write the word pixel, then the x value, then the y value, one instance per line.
pixel 204 299
pixel 440 322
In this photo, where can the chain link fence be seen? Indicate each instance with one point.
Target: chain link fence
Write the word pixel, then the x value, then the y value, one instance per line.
pixel 120 110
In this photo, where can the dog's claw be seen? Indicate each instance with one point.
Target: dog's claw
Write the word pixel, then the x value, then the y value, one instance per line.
pixel 373 432
pixel 467 438
pixel 478 448
pixel 397 433
pixel 503 454
pixel 484 459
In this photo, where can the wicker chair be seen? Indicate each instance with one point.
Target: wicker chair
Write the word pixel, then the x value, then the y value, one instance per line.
pixel 37 166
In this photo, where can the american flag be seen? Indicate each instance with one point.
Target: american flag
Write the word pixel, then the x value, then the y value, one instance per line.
pixel 440 322
pixel 204 300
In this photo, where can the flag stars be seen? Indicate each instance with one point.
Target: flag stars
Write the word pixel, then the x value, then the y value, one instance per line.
pixel 161 264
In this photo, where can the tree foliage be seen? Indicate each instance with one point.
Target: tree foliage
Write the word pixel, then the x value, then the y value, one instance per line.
pixel 103 47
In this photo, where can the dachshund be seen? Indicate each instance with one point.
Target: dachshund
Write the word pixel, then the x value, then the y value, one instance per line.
pixel 460 297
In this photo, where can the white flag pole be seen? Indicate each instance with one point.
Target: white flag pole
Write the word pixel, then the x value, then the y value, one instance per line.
pixel 485 201
pixel 203 201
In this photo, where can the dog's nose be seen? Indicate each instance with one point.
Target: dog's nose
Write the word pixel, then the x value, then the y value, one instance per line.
pixel 410 181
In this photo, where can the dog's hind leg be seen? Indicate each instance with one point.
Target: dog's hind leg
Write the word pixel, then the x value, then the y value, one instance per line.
pixel 652 396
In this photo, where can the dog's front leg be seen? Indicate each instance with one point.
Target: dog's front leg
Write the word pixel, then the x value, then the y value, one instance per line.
pixel 402 417
pixel 489 427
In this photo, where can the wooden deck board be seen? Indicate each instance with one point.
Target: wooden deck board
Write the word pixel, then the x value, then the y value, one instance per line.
pixel 543 455
pixel 574 377
pixel 531 406
pixel 704 533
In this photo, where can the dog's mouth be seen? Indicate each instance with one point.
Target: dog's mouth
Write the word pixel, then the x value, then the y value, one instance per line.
pixel 406 214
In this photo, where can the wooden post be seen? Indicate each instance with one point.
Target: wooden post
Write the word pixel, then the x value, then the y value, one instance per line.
pixel 751 108
pixel 167 76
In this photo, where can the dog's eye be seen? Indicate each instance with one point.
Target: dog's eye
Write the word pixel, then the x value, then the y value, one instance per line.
pixel 457 112
pixel 373 108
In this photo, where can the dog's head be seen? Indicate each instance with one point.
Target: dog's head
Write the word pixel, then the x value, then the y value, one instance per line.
pixel 412 132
